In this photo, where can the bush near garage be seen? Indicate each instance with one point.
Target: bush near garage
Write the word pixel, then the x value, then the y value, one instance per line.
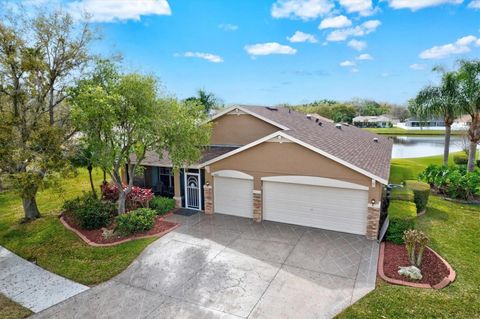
pixel 90 212
pixel 162 205
pixel 460 159
pixel 139 220
pixel 402 193
pixel 421 193
pixel 402 215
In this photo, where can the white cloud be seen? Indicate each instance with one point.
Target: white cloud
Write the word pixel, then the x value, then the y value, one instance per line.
pixel 364 56
pixel 474 4
pixel 355 70
pixel 269 48
pixel 362 7
pixel 228 27
pixel 347 63
pixel 418 66
pixel 419 4
pixel 118 10
pixel 300 36
pixel 358 31
pixel 357 45
pixel 303 9
pixel 335 22
pixel 201 55
pixel 462 45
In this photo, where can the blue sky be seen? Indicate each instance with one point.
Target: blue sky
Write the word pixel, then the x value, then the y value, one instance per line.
pixel 245 51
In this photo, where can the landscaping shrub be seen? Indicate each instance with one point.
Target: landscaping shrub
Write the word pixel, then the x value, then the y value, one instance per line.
pixel 138 197
pixel 421 192
pixel 453 181
pixel 460 159
pixel 402 215
pixel 478 163
pixel 402 193
pixel 162 205
pixel 139 220
pixel 91 213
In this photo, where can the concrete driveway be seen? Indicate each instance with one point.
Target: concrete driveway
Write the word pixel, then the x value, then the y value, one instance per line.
pixel 229 267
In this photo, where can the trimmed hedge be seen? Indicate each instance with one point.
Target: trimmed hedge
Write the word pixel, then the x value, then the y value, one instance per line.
pixel 162 205
pixel 402 215
pixel 460 159
pixel 421 192
pixel 402 193
pixel 139 220
pixel 91 213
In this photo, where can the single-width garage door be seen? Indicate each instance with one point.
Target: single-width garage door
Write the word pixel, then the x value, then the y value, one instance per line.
pixel 316 202
pixel 233 193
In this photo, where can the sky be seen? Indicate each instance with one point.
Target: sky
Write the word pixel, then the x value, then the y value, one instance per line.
pixel 268 52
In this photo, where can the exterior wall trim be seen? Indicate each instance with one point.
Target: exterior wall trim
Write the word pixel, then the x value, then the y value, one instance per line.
pixel 245 111
pixel 232 174
pixel 314 181
pixel 306 145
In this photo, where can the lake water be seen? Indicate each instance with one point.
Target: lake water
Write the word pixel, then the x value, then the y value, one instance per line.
pixel 420 146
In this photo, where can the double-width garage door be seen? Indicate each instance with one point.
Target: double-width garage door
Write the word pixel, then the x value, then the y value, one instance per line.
pixel 316 202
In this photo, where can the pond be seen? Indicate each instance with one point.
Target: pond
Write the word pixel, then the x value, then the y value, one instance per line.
pixel 420 146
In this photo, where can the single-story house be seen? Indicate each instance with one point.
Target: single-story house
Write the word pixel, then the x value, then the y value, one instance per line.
pixel 372 121
pixel 461 123
pixel 272 163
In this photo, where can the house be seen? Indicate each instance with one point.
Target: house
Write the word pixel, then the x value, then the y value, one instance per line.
pixel 461 123
pixel 372 121
pixel 277 164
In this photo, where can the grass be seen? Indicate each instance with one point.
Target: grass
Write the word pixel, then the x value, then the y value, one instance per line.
pixel 401 131
pixel 454 230
pixel 57 249
pixel 12 310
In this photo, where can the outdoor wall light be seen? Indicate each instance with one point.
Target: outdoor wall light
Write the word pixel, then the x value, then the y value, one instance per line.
pixel 373 201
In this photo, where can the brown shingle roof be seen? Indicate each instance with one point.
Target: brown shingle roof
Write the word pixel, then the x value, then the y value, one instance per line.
pixel 350 144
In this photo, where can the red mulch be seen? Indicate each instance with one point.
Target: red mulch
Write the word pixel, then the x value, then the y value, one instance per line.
pixel 95 235
pixel 433 269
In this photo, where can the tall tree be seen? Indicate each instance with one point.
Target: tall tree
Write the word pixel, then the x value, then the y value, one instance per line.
pixel 123 117
pixel 39 58
pixel 469 79
pixel 206 99
pixel 83 156
pixel 442 100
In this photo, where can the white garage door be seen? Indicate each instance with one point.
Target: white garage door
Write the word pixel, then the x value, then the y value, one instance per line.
pixel 233 193
pixel 316 202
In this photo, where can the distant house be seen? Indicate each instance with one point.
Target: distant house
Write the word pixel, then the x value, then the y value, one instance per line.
pixel 372 121
pixel 461 123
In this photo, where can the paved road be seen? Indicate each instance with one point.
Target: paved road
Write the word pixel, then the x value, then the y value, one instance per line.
pixel 228 267
pixel 31 286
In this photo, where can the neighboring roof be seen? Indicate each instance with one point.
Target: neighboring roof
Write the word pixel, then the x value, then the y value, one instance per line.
pixel 463 119
pixel 153 159
pixel 349 145
pixel 380 118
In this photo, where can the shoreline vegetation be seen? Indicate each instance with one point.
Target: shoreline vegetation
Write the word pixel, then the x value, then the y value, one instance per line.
pixel 401 131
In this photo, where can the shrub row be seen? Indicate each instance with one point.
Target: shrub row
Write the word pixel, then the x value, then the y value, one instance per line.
pixel 162 205
pixel 139 220
pixel 453 181
pixel 421 193
pixel 402 215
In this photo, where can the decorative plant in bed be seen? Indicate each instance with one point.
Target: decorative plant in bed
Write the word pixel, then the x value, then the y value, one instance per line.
pixel 96 220
pixel 405 258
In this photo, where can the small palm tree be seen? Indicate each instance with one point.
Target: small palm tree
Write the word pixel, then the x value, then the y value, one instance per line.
pixel 469 79
pixel 442 100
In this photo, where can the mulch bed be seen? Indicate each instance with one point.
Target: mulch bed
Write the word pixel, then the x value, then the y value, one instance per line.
pixel 433 268
pixel 95 238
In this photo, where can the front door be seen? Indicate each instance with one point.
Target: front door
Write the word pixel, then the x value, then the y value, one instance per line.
pixel 192 190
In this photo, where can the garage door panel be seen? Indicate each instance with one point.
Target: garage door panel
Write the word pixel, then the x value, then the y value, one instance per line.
pixel 233 196
pixel 316 206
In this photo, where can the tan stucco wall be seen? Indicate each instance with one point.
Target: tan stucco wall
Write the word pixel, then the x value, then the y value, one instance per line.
pixel 278 159
pixel 239 129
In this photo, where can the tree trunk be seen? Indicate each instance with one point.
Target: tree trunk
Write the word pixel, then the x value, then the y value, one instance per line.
pixel 122 196
pixel 104 176
pixel 30 208
pixel 90 168
pixel 472 151
pixel 446 149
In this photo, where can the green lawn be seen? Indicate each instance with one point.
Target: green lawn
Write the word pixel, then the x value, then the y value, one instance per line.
pixel 12 310
pixel 454 231
pixel 401 131
pixel 56 248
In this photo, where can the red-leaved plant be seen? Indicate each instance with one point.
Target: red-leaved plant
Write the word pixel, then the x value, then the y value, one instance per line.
pixel 138 197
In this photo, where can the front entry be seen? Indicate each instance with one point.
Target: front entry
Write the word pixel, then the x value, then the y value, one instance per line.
pixel 192 190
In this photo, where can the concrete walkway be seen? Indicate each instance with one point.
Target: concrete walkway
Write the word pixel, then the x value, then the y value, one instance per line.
pixel 229 267
pixel 31 286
